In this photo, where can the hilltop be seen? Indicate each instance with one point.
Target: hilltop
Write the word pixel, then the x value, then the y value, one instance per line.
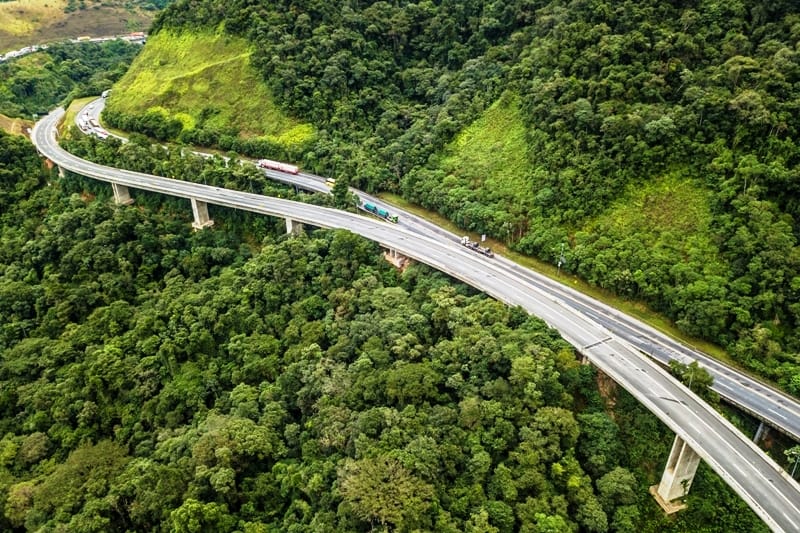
pixel 204 85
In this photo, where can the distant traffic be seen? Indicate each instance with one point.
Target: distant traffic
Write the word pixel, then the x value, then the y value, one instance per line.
pixel 88 124
pixel 138 37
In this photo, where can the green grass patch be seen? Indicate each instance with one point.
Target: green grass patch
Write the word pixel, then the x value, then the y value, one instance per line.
pixel 72 111
pixel 672 206
pixel 491 155
pixel 205 79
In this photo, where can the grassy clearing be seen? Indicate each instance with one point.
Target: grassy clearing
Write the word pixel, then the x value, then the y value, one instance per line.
pixel 492 154
pixel 207 77
pixel 15 126
pixel 672 206
pixel 72 111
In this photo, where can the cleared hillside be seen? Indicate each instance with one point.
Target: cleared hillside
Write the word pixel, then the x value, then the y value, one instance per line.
pixel 15 126
pixel 205 81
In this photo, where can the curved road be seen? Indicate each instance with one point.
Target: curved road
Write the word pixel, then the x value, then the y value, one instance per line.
pixel 763 401
pixel 766 488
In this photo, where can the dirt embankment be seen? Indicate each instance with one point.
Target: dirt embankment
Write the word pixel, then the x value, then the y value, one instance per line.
pixel 27 22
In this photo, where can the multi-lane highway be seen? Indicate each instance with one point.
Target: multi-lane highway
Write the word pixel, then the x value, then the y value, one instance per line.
pixel 776 408
pixel 769 491
pixel 763 401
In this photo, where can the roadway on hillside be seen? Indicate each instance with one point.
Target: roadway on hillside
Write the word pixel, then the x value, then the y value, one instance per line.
pixel 769 491
pixel 777 408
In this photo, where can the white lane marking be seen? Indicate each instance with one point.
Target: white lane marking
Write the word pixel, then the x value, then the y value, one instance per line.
pixel 794 524
pixel 776 413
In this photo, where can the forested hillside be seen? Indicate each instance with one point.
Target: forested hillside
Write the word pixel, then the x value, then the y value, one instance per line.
pixel 654 142
pixel 36 83
pixel 153 378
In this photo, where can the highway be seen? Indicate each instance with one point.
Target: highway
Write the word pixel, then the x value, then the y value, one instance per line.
pixel 767 403
pixel 778 409
pixel 766 488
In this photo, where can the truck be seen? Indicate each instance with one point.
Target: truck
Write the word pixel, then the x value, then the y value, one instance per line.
pixel 472 245
pixel 277 165
pixel 381 212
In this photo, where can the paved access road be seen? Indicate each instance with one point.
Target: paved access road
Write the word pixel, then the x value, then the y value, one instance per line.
pixel 769 491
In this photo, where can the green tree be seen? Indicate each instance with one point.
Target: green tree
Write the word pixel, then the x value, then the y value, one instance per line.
pixel 197 517
pixel 382 490
pixel 696 378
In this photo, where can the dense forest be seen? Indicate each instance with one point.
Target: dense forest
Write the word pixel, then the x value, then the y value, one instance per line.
pixel 36 83
pixel 650 145
pixel 159 379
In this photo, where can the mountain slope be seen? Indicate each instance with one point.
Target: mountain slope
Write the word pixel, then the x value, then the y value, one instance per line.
pixel 27 22
pixel 205 81
pixel 625 111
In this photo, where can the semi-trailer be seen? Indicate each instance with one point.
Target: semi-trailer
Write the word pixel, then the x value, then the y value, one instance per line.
pixel 472 245
pixel 381 212
pixel 277 165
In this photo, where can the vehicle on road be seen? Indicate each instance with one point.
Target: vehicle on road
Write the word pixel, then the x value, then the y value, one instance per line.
pixel 381 212
pixel 472 245
pixel 277 165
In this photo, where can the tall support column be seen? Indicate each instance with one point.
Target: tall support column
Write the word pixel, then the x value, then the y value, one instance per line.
pixel 293 227
pixel 121 194
pixel 200 212
pixel 394 257
pixel 762 430
pixel 61 172
pixel 677 477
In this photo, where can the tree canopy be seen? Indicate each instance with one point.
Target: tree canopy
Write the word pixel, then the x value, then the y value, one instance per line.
pixel 648 147
pixel 153 378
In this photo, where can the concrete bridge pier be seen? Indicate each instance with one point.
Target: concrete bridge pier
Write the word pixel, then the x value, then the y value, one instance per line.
pixel 61 172
pixel 677 477
pixel 121 194
pixel 761 432
pixel 293 227
pixel 200 212
pixel 395 258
